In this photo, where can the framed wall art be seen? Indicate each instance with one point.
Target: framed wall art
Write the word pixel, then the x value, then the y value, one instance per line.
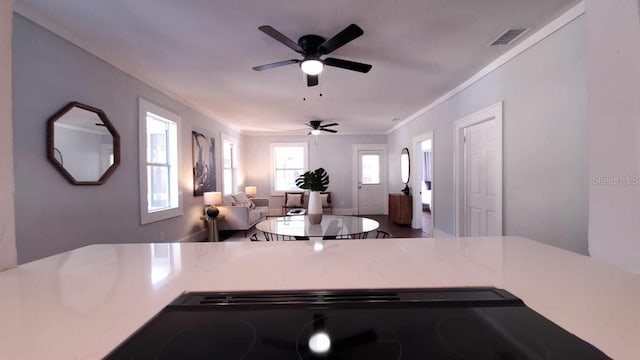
pixel 204 163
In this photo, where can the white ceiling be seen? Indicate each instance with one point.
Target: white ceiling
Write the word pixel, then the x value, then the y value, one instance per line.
pixel 202 52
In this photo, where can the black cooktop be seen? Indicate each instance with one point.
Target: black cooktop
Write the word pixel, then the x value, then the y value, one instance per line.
pixel 464 323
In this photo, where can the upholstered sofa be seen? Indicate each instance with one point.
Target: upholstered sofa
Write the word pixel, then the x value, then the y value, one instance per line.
pixel 237 214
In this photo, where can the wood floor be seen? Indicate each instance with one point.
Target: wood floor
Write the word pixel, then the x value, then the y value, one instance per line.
pixel 402 231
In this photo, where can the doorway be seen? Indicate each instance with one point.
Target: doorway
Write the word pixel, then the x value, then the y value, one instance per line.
pixel 370 175
pixel 478 173
pixel 423 186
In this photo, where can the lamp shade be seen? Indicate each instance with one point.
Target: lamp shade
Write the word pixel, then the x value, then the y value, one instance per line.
pixel 212 198
pixel 250 191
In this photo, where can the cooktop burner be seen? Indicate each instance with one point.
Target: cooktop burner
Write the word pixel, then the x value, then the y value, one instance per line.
pixel 214 339
pixel 468 323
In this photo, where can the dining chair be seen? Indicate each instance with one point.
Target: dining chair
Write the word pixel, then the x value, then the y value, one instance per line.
pixel 278 237
pixel 362 235
pixel 255 237
pixel 381 234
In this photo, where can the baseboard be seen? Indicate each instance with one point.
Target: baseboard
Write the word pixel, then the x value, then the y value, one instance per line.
pixel 440 233
pixel 195 237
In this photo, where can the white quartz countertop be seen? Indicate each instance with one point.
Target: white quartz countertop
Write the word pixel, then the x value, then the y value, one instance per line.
pixel 83 303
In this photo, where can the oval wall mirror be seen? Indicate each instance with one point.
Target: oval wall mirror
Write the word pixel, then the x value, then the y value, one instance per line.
pixel 405 170
pixel 83 144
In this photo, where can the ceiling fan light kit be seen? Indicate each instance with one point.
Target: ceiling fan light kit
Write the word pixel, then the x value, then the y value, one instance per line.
pixel 312 47
pixel 312 66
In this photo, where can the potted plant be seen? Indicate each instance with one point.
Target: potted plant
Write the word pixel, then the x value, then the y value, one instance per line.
pixel 315 181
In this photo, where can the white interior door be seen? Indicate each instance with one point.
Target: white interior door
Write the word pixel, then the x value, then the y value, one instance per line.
pixel 481 158
pixel 371 182
pixel 478 173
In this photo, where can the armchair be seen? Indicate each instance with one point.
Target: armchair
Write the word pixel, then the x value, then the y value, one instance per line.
pixel 326 204
pixel 292 200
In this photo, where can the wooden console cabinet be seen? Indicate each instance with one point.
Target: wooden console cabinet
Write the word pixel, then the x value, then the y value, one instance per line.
pixel 400 208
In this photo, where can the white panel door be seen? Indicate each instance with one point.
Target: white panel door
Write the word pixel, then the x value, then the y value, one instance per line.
pixel 370 182
pixel 481 159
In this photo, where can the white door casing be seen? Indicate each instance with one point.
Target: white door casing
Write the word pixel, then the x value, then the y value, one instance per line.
pixel 478 173
pixel 416 170
pixel 369 197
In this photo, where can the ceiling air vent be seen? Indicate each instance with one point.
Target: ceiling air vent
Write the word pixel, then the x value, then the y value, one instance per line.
pixel 509 36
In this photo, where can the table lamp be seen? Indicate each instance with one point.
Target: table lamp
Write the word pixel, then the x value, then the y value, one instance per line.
pixel 211 199
pixel 251 191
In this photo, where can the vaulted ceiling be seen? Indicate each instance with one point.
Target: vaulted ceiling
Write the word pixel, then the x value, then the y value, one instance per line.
pixel 201 52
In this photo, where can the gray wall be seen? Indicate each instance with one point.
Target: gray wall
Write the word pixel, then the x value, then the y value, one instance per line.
pixel 614 131
pixel 332 152
pixel 7 226
pixel 52 215
pixel 545 163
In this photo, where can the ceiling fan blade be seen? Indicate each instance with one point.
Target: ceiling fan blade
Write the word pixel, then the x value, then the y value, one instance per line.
pixel 332 124
pixel 281 38
pixel 329 130
pixel 275 64
pixel 349 33
pixel 312 80
pixel 349 65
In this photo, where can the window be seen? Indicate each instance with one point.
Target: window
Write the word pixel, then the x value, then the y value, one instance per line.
pixel 229 165
pixel 370 169
pixel 160 195
pixel 288 161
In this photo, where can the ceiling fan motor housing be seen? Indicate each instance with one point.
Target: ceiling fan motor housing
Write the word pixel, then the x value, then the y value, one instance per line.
pixel 310 45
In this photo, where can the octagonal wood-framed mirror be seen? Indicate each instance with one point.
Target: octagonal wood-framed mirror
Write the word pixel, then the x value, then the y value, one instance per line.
pixel 83 144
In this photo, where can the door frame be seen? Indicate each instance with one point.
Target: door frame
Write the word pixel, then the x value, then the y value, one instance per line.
pixel 384 162
pixel 493 112
pixel 416 165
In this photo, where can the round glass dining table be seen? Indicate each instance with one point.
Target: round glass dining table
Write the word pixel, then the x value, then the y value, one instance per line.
pixel 331 227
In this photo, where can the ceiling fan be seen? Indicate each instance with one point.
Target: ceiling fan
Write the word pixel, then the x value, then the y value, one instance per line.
pixel 316 127
pixel 312 48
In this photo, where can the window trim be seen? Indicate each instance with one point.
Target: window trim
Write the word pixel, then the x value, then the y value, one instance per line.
pixel 146 216
pixel 272 170
pixel 235 157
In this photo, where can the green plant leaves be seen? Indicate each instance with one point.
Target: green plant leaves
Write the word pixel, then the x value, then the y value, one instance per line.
pixel 316 180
